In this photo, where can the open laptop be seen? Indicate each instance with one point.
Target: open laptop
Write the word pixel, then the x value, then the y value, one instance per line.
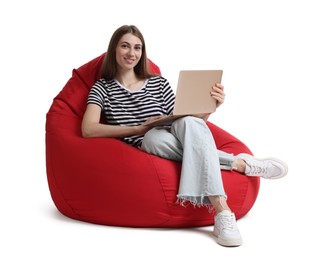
pixel 192 95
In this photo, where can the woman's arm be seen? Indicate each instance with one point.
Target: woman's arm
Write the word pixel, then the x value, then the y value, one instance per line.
pixel 91 126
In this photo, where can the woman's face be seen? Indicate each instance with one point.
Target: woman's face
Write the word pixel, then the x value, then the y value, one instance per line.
pixel 128 51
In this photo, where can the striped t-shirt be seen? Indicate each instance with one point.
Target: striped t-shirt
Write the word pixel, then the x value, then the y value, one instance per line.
pixel 121 106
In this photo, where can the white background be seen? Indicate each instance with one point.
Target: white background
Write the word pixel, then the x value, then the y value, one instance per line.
pixel 266 49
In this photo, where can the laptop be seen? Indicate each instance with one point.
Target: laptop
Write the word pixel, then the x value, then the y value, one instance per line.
pixel 192 95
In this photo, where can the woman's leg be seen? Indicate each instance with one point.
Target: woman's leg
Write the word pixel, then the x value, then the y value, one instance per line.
pixel 189 140
pixel 161 142
pixel 200 174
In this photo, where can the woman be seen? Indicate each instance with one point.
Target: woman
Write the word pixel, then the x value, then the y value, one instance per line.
pixel 128 97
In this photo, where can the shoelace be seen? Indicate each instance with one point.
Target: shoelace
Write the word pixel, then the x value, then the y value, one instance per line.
pixel 228 222
pixel 258 168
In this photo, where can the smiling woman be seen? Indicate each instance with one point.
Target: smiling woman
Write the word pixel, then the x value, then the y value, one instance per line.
pixel 126 53
pixel 119 106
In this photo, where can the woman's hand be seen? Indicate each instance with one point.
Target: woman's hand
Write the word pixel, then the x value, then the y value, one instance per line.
pixel 151 119
pixel 217 92
pixel 145 127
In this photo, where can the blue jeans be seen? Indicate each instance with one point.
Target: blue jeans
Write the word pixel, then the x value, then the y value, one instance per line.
pixel 190 141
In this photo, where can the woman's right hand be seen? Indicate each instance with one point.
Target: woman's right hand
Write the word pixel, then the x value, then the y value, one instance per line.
pixel 145 127
pixel 151 119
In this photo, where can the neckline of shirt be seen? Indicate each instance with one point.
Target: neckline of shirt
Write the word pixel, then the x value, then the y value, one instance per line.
pixel 132 91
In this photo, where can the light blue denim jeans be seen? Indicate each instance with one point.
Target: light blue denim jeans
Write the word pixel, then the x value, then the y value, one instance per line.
pixel 190 141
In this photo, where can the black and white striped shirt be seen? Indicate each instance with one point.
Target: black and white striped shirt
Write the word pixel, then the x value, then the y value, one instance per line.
pixel 121 106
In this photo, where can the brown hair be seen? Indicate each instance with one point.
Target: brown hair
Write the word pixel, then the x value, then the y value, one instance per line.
pixel 109 66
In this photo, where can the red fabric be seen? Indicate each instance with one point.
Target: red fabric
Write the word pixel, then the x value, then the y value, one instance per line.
pixel 105 181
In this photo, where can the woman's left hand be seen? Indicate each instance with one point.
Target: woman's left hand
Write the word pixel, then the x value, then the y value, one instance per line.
pixel 217 92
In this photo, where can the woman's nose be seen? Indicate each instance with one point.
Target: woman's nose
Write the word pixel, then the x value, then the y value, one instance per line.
pixel 131 52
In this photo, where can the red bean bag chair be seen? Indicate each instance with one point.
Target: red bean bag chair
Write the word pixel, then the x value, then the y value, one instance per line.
pixel 105 181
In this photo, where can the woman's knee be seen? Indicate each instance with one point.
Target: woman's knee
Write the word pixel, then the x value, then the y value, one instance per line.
pixel 154 138
pixel 159 141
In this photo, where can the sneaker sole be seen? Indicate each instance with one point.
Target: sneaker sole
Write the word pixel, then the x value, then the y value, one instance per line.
pixel 228 243
pixel 243 155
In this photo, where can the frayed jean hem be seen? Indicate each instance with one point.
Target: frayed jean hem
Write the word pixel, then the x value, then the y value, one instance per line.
pixel 196 201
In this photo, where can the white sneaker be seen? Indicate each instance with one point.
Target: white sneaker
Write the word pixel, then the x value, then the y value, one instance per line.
pixel 269 168
pixel 225 229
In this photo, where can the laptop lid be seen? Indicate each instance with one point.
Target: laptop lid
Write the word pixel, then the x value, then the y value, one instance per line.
pixel 193 92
